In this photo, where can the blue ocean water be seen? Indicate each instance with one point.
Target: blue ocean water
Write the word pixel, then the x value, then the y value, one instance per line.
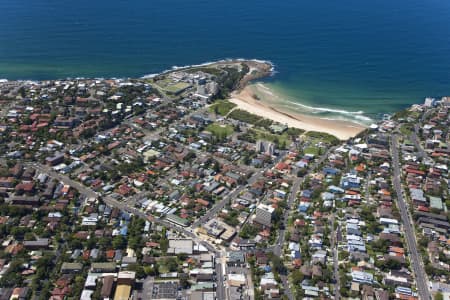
pixel 371 56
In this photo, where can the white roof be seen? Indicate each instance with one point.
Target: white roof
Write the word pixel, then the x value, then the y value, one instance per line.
pixel 361 146
pixel 266 207
pixel 239 278
pixel 86 295
pixel 127 274
pixel 388 221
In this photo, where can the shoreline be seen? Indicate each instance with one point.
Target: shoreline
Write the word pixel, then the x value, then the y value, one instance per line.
pixel 263 68
pixel 341 129
pixel 242 96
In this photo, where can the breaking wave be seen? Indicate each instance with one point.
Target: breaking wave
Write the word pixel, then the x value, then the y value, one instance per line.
pixel 174 68
pixel 324 112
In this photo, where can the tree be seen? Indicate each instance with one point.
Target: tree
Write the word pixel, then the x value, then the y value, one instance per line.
pixel 97 293
pixel 380 245
pixel 22 92
pixel 29 236
pixel 247 159
pixel 171 263
pixel 302 172
pixel 151 271
pixel 184 282
pixel 216 166
pixel 119 242
pixel 12 277
pixel 390 264
pixel 134 242
pixel 248 232
pixel 190 156
pixel 104 242
pixel 297 277
pixel 77 286
pixel 278 264
pixel 18 232
pixel 45 290
pixel 182 256
pixel 163 242
pixel 343 255
pixel 344 291
pixel 140 272
pixel 91 243
pixel 438 296
pixel 278 214
pixel 74 243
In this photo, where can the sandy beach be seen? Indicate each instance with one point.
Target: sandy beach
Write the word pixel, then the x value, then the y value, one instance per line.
pixel 341 129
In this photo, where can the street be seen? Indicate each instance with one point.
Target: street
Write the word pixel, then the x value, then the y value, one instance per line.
pixel 334 248
pixel 220 290
pixel 128 206
pixel 416 261
pixel 277 248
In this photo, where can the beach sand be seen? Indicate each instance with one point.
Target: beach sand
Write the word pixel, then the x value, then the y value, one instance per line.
pixel 341 129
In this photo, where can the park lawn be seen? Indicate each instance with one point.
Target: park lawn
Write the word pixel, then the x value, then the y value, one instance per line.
pixel 163 83
pixel 209 70
pixel 249 118
pixel 406 129
pixel 222 107
pixel 323 137
pixel 219 130
pixel 312 150
pixel 162 268
pixel 177 87
pixel 280 139
pixel 245 116
pixel 403 114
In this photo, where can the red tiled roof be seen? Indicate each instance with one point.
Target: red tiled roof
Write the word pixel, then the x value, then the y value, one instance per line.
pixel 418 172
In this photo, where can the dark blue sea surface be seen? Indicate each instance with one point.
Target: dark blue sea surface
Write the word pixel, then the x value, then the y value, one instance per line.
pixel 371 56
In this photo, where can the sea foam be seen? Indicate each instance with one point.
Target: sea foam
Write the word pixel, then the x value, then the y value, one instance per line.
pixel 225 60
pixel 339 114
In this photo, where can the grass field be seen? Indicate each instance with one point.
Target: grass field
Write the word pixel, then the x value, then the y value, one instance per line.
pixel 280 139
pixel 245 116
pixel 176 88
pixel 312 150
pixel 220 131
pixel 212 71
pixel 163 268
pixel 222 107
pixel 406 129
pixel 315 136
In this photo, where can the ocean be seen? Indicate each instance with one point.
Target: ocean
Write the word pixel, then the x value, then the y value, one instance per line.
pixel 347 59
